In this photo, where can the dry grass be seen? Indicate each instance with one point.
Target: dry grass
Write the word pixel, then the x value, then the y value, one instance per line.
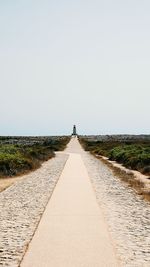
pixel 6 182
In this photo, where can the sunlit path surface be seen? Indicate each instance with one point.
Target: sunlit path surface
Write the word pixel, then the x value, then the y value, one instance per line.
pixel 72 231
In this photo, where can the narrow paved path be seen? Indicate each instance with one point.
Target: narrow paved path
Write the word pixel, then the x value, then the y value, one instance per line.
pixel 72 231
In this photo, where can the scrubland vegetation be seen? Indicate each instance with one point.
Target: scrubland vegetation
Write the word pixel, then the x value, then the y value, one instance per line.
pixel 133 154
pixel 22 154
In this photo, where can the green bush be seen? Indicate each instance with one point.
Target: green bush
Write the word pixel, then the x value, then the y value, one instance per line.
pixel 133 155
pixel 11 164
pixel 19 158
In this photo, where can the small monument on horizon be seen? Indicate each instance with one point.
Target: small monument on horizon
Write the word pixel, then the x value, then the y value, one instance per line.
pixel 74 133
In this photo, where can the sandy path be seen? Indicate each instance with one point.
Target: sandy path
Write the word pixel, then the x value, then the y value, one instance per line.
pixel 72 231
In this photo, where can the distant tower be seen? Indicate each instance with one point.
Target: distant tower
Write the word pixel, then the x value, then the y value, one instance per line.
pixel 74 130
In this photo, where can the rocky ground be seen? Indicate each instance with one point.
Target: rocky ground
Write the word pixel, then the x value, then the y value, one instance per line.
pixel 21 207
pixel 126 213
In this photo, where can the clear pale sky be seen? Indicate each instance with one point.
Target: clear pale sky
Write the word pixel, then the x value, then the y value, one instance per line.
pixel 74 62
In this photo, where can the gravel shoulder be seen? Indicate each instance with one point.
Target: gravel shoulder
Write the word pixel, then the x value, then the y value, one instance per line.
pixel 21 207
pixel 125 212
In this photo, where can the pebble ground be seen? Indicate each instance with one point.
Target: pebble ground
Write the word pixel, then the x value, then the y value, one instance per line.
pixel 21 207
pixel 126 213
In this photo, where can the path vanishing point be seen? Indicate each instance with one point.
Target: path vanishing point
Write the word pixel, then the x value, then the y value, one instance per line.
pixel 72 231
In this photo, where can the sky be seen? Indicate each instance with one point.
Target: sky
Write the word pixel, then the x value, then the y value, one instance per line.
pixel 74 62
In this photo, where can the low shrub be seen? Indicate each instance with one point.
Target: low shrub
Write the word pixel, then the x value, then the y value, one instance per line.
pixel 133 155
pixel 19 158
